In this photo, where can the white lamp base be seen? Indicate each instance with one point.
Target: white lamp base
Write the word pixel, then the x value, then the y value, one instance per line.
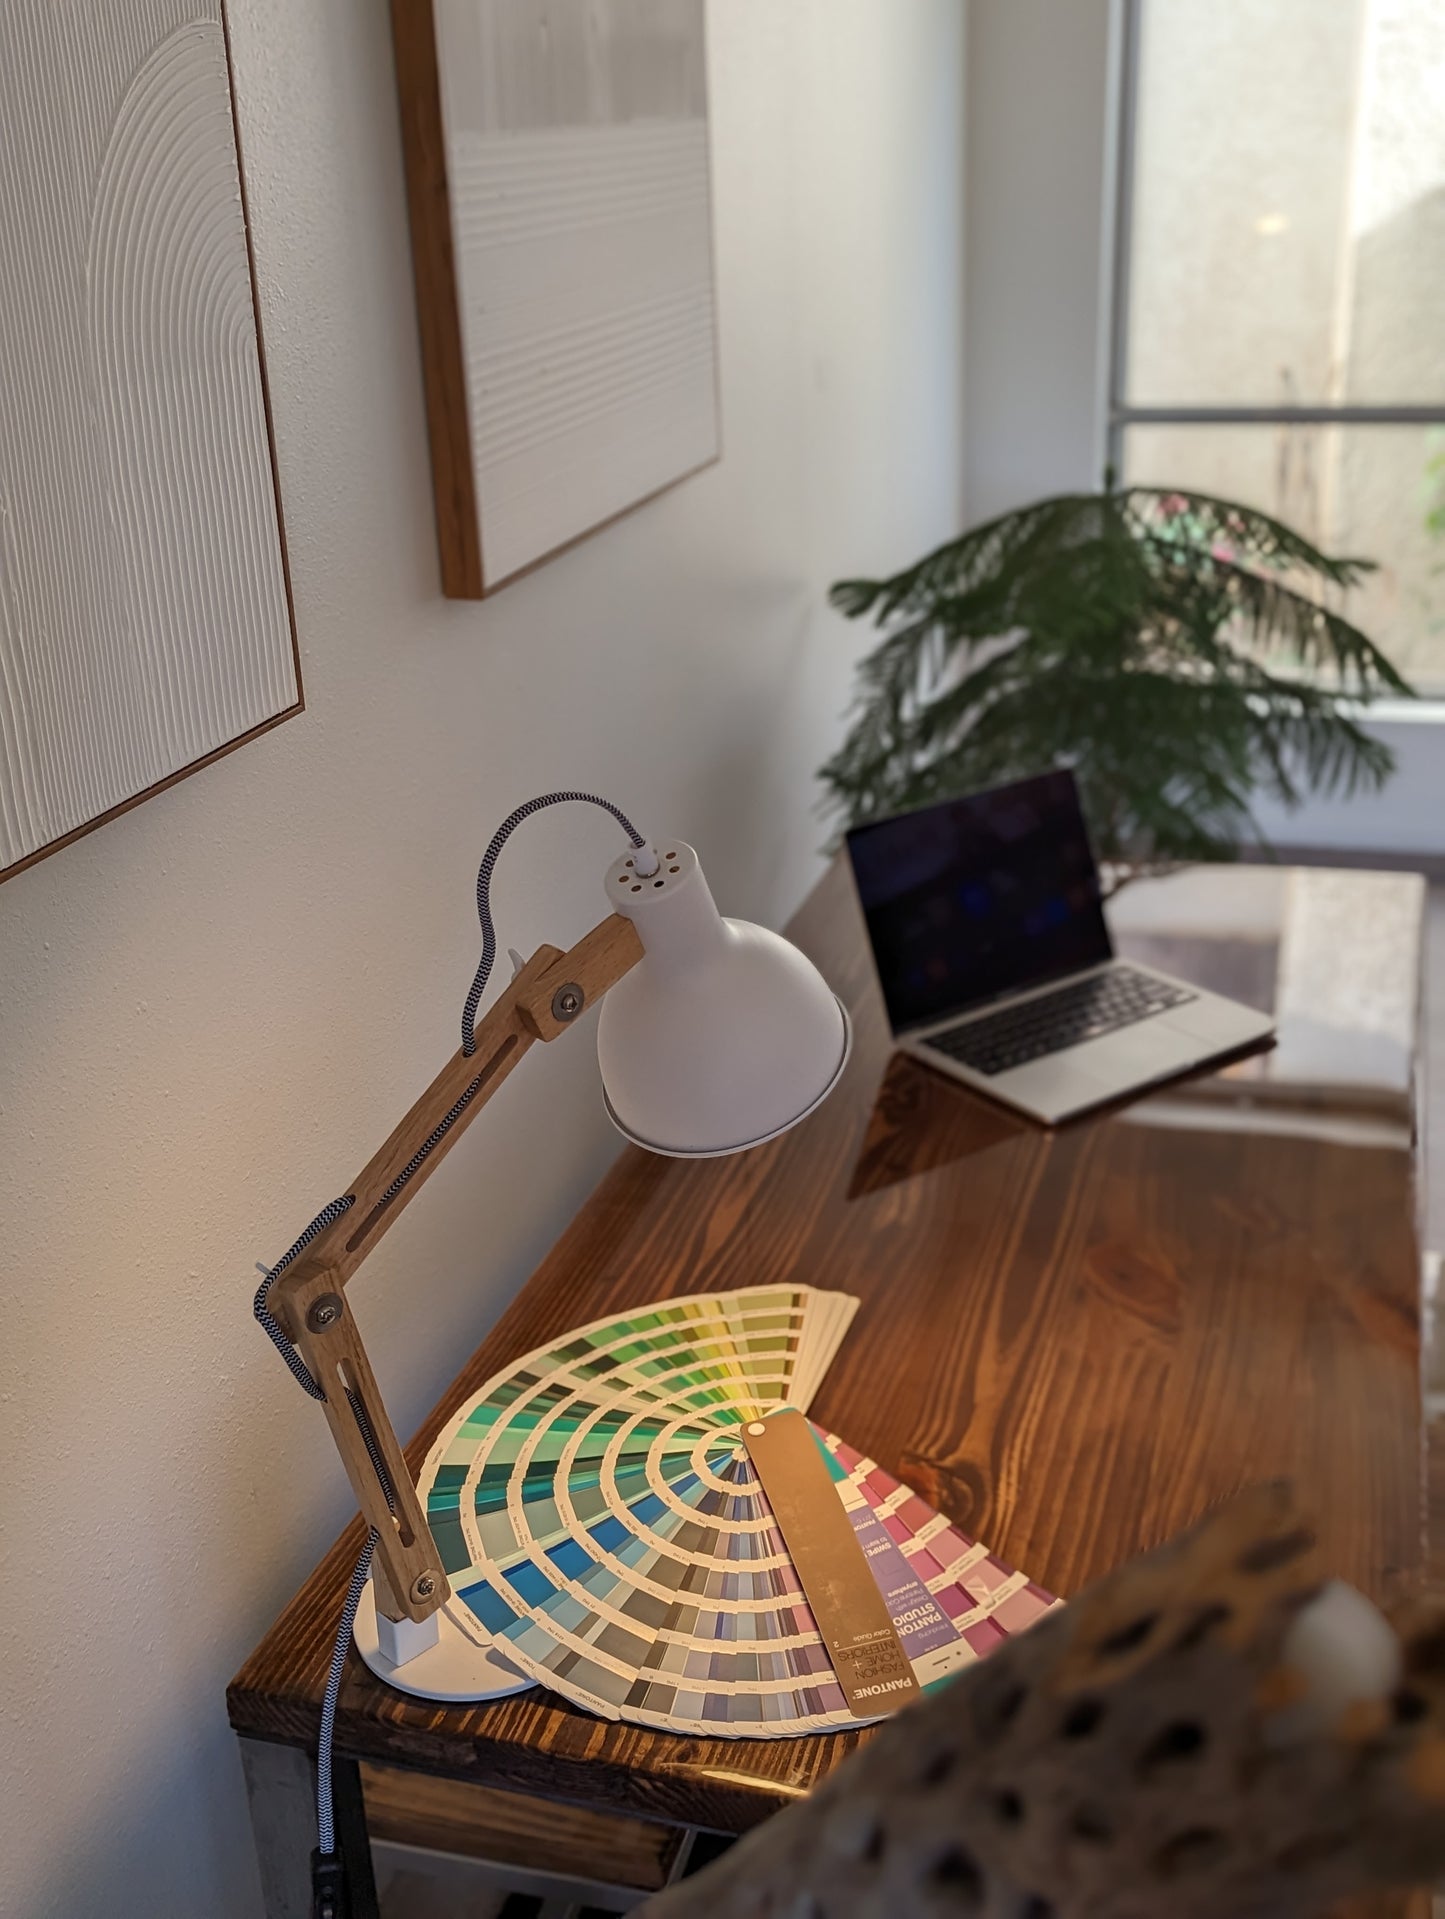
pixel 456 1667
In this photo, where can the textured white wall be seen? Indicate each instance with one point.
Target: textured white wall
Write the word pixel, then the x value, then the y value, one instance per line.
pixel 132 418
pixel 578 170
pixel 214 1008
pixel 1038 167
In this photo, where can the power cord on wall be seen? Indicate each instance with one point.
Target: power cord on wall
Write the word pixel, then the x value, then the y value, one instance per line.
pixel 328 1879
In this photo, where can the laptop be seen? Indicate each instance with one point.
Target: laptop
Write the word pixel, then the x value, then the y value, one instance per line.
pixel 997 967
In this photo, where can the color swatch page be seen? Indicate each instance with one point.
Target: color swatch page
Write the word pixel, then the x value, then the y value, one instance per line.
pixel 598 1516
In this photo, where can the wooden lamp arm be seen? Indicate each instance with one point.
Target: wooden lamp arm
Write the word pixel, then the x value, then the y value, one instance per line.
pixel 547 995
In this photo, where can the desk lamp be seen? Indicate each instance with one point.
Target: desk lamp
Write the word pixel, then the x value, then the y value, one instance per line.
pixel 715 1035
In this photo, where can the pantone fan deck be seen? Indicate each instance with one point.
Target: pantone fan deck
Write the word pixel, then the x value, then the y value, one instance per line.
pixel 598 1515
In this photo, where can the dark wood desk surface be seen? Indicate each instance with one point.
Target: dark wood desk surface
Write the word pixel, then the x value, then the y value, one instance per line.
pixel 1071 1342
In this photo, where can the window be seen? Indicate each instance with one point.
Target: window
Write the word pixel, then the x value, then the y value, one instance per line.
pixel 1279 313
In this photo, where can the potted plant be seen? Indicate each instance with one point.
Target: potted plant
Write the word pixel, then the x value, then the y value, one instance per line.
pixel 1181 653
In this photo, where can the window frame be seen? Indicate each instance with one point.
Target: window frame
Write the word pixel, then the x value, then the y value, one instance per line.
pixel 1120 414
pixel 1402 822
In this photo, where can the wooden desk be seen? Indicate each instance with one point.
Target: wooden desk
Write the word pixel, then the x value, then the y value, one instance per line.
pixel 1071 1342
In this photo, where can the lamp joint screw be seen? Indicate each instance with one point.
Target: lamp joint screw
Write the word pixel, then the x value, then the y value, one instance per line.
pixel 423 1586
pixel 324 1312
pixel 568 1001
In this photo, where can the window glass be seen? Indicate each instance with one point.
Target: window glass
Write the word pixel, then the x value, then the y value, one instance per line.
pixel 1289 204
pixel 1376 493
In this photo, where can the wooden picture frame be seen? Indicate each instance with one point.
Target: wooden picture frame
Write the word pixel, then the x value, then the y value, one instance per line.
pixel 135 352
pixel 559 188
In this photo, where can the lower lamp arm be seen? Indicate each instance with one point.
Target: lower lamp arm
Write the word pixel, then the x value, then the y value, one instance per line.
pixel 547 995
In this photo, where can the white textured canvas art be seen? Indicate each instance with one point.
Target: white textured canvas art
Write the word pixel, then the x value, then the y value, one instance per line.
pixel 577 178
pixel 144 615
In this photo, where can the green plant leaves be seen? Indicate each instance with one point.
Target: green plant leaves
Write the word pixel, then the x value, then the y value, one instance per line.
pixel 1180 652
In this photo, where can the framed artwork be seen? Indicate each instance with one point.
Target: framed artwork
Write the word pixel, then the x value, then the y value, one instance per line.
pixel 561 214
pixel 145 608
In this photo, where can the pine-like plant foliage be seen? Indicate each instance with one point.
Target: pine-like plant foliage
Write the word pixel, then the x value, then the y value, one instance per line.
pixel 1180 652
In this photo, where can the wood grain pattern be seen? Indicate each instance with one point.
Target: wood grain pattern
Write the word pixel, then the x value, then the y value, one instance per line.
pixel 459 544
pixel 592 966
pixel 504 1828
pixel 560 192
pixel 307 1299
pixel 407 1568
pixel 1148 1749
pixel 1072 1342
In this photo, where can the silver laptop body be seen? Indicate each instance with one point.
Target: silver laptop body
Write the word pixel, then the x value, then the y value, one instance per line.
pixel 997 967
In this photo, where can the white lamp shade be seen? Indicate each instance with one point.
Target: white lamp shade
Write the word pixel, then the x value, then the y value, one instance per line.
pixel 723 1034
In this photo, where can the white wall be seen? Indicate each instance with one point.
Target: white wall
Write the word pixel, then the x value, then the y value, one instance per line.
pixel 1038 192
pixel 214 1008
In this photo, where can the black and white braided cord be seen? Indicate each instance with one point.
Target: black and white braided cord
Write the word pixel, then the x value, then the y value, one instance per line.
pixel 484 891
pixel 306 1379
pixel 433 1139
pixel 325 1798
pixel 325 1814
pixel 301 1372
pixel 267 1320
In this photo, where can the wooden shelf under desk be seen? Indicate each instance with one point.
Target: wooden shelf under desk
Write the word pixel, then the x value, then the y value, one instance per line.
pixel 508 1829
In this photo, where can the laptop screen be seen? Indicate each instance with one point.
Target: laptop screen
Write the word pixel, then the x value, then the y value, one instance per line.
pixel 978 897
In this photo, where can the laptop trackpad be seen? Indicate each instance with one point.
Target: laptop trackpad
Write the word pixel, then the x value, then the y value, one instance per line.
pixel 1102 1068
pixel 1143 1052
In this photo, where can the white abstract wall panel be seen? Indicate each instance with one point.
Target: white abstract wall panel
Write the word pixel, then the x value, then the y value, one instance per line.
pixel 144 613
pixel 577 179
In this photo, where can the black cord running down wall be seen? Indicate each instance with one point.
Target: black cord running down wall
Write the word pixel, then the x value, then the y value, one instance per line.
pixel 326 1877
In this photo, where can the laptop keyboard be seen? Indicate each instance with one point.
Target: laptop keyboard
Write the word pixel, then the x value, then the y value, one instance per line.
pixel 1050 1022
